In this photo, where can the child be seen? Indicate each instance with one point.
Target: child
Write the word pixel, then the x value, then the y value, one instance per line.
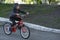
pixel 15 15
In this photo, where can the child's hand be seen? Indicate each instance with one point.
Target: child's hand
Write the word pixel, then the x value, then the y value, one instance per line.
pixel 17 14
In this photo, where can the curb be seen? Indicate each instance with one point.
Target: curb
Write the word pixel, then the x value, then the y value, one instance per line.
pixel 34 26
pixel 42 28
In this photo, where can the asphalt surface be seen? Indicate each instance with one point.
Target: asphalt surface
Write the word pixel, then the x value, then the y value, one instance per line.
pixel 35 35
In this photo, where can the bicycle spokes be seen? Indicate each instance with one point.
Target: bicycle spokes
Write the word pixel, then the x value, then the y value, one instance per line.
pixel 23 29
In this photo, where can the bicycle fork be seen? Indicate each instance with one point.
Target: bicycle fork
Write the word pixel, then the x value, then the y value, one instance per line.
pixel 20 23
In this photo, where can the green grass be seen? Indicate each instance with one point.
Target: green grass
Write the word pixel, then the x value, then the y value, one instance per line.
pixel 6 8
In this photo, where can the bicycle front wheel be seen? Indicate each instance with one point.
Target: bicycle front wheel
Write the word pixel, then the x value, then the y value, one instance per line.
pixel 25 32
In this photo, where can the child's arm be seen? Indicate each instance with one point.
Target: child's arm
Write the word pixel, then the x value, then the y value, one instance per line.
pixel 27 13
pixel 23 12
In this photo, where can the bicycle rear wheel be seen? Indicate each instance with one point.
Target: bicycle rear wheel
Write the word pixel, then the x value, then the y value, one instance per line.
pixel 7 28
pixel 25 32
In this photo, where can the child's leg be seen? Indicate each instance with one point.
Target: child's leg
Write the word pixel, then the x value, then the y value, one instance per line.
pixel 12 20
pixel 13 24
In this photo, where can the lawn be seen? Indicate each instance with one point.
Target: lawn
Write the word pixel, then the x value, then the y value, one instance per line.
pixel 33 9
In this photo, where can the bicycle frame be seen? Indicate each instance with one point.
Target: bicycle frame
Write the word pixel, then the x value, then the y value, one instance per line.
pixel 20 23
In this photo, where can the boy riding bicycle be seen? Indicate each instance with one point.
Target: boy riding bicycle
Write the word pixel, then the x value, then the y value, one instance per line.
pixel 15 15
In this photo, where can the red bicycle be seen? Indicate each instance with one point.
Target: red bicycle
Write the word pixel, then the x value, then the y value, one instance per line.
pixel 24 30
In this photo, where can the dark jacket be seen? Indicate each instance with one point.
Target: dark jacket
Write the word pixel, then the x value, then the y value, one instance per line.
pixel 16 11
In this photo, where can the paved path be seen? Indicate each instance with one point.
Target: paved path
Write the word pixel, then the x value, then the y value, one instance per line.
pixel 35 35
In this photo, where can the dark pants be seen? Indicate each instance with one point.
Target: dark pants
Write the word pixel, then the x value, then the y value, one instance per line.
pixel 14 18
